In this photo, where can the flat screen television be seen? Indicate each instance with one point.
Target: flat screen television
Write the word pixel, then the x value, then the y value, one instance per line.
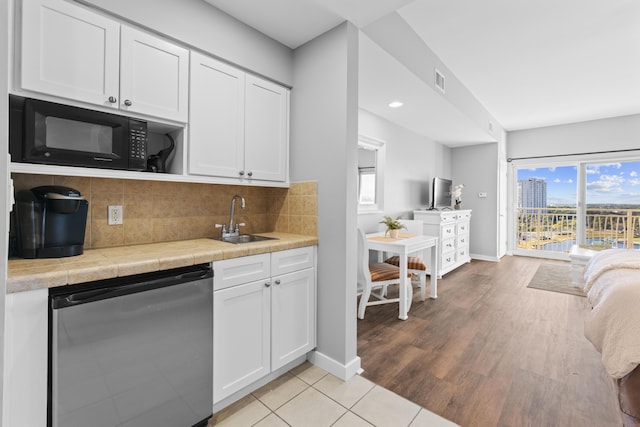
pixel 441 193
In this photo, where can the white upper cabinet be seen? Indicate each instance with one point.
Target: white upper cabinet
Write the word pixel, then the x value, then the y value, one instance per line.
pixel 238 124
pixel 216 125
pixel 266 130
pixel 71 52
pixel 154 76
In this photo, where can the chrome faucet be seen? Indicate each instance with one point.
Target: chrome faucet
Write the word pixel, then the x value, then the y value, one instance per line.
pixel 234 229
pixel 233 206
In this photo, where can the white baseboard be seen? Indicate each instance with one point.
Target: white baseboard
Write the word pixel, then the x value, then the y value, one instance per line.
pixel 337 369
pixel 485 258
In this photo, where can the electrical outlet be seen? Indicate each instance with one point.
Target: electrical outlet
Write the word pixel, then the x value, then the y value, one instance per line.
pixel 115 215
pixel 482 194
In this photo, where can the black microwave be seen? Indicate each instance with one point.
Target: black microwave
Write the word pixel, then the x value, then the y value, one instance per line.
pixel 56 134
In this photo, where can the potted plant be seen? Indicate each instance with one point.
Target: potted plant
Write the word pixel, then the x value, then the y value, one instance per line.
pixel 457 195
pixel 393 226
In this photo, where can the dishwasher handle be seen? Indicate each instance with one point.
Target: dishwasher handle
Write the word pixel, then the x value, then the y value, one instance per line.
pixel 133 286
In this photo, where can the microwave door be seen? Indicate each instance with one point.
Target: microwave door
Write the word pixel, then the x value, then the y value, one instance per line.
pixel 71 136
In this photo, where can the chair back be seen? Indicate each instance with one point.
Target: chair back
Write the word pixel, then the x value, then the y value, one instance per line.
pixel 364 276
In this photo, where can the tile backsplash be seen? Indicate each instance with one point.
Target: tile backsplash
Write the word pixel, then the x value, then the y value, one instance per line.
pixel 159 211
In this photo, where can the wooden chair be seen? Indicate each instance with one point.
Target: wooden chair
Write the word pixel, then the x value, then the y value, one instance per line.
pixel 376 276
pixel 415 264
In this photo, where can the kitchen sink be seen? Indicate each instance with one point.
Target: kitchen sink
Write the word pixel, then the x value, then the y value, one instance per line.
pixel 245 238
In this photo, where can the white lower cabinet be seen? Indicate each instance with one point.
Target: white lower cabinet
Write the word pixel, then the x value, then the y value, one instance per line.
pixel 293 316
pixel 241 338
pixel 261 325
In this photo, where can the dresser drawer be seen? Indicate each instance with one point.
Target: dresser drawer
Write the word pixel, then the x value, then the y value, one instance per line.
pixel 447 260
pixel 447 231
pixel 463 215
pixel 462 241
pixel 462 254
pixel 448 216
pixel 448 245
pixel 462 227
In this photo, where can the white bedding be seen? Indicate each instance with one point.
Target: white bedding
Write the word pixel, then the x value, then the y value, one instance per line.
pixel 612 284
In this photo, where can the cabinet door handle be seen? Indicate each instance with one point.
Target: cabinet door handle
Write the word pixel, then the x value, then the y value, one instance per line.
pixel 267 284
pixel 241 173
pixel 250 173
pixel 277 281
pixel 113 99
pixel 127 103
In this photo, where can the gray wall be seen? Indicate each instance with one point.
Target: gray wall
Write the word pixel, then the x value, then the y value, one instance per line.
pixel 324 132
pixel 411 163
pixel 618 133
pixel 476 167
pixel 196 23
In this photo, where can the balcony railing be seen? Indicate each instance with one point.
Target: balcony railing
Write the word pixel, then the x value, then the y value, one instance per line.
pixel 554 229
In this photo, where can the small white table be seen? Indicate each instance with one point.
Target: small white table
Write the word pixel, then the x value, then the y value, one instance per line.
pixel 579 257
pixel 403 246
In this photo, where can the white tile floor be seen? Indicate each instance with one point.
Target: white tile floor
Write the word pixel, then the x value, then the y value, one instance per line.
pixel 309 396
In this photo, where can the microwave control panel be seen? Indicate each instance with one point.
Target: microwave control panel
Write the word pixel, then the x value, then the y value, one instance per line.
pixel 137 144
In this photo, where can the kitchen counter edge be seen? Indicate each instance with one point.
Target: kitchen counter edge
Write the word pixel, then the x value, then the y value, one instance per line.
pixel 106 263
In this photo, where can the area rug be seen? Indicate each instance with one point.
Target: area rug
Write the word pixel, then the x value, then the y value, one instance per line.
pixel 556 278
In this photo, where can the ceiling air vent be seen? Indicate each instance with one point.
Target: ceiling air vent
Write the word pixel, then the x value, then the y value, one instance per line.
pixel 439 80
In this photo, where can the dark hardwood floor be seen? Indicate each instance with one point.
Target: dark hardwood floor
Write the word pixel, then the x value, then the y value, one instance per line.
pixel 491 352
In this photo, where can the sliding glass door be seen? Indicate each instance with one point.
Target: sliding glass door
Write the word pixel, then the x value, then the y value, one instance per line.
pixel 546 215
pixel 612 205
pixel 594 204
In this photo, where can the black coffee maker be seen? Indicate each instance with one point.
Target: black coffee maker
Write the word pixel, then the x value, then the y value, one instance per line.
pixel 50 222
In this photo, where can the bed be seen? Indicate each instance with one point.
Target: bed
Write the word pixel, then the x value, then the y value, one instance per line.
pixel 612 285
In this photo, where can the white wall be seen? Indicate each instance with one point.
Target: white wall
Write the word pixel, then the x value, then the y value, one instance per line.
pixel 198 24
pixel 4 207
pixel 412 161
pixel 324 135
pixel 395 36
pixel 618 133
pixel 476 166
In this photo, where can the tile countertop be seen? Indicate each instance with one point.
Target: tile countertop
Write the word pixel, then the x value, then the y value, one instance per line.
pixel 106 263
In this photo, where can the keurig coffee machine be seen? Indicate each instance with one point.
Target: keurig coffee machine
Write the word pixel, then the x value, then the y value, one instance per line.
pixel 50 222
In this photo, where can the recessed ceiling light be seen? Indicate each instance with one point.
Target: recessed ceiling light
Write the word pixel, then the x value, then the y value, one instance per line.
pixel 396 104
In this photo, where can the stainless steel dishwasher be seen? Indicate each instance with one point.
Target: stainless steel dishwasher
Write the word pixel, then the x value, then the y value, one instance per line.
pixel 132 351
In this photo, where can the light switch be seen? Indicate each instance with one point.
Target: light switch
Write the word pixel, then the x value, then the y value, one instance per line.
pixel 482 194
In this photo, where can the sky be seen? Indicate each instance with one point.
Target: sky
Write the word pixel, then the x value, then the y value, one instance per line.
pixel 610 183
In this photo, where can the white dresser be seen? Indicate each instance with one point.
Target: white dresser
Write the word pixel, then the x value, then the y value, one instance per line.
pixel 452 228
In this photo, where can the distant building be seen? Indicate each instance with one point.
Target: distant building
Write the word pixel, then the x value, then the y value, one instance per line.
pixel 532 193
